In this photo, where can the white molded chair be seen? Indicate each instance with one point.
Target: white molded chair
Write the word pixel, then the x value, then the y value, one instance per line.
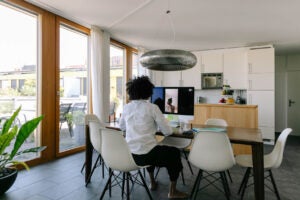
pixel 212 153
pixel 271 160
pixel 216 122
pixel 117 157
pixel 94 125
pixel 181 144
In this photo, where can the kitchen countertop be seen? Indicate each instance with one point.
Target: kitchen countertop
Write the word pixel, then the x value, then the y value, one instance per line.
pixel 226 105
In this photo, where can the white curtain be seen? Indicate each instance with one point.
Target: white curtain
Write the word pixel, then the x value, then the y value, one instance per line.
pixel 100 68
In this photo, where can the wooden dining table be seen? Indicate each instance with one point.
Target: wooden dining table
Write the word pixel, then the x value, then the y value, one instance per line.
pixel 246 136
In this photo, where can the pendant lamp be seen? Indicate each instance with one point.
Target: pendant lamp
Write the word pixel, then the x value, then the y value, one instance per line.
pixel 168 59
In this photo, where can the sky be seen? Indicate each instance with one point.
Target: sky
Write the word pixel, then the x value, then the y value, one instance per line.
pixel 18 44
pixel 18 41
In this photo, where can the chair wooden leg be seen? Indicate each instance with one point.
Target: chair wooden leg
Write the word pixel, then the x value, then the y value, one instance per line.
pixel 127 185
pixel 83 166
pixel 196 184
pixel 102 163
pixel 182 177
pixel 158 168
pixel 225 185
pixel 107 184
pixel 274 184
pixel 109 181
pixel 188 162
pixel 144 173
pixel 93 169
pixel 145 185
pixel 228 174
pixel 123 184
pixel 243 181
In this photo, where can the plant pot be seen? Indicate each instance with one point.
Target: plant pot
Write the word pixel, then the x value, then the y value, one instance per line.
pixel 7 179
pixel 79 135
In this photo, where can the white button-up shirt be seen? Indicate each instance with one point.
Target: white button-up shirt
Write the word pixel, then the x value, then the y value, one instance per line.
pixel 141 120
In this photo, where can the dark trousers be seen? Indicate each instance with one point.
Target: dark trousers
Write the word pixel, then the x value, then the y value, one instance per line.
pixel 161 156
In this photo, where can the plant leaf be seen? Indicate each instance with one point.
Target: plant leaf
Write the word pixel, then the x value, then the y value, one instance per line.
pixel 15 162
pixel 9 121
pixel 6 138
pixel 25 130
pixel 31 150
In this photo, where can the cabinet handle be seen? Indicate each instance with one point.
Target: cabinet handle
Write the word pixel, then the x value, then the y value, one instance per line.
pixel 250 84
pixel 250 99
pixel 202 67
pixel 249 68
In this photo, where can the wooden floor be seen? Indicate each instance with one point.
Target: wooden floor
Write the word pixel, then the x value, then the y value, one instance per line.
pixel 62 180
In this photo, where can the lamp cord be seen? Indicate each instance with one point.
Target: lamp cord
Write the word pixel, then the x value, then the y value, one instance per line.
pixel 168 12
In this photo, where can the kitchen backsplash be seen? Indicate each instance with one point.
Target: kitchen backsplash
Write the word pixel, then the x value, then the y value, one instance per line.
pixel 213 96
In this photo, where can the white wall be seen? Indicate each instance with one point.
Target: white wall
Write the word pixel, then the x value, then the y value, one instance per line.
pixel 283 65
pixel 280 93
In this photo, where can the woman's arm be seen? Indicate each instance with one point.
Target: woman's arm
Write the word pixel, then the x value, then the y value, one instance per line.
pixel 161 122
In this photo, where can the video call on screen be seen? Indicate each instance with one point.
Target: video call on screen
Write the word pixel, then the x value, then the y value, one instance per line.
pixel 174 100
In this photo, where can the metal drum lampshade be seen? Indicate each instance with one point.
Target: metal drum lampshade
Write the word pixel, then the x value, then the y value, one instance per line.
pixel 168 60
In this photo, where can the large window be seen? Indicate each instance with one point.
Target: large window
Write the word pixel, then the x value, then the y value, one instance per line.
pixel 134 65
pixel 123 66
pixel 73 59
pixel 19 67
pixel 117 66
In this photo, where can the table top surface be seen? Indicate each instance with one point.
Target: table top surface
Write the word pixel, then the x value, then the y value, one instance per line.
pixel 235 134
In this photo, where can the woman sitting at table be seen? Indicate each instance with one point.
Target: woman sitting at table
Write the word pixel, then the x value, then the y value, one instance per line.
pixel 141 120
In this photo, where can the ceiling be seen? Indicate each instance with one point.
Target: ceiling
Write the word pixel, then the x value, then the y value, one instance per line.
pixel 192 24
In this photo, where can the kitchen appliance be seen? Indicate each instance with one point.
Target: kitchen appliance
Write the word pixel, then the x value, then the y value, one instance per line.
pixel 212 80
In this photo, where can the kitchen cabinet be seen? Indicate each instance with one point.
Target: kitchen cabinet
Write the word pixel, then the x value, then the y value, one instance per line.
pixel 261 81
pixel 171 78
pixel 266 111
pixel 261 85
pixel 235 68
pixel 212 61
pixel 261 60
pixel 192 77
pixel 157 78
pixel 244 116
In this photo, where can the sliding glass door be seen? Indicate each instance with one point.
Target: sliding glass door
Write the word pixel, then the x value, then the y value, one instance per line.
pixel 19 81
pixel 73 65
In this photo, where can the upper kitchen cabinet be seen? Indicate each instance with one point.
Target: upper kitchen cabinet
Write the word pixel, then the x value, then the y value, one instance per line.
pixel 171 78
pixel 192 77
pixel 235 68
pixel 261 60
pixel 261 81
pixel 157 77
pixel 212 61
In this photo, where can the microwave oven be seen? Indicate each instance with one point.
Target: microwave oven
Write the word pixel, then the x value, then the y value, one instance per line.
pixel 212 80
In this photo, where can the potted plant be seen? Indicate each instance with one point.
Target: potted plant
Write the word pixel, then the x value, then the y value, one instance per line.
pixel 10 133
pixel 78 120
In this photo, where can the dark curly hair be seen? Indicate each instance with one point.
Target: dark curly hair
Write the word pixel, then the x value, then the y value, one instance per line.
pixel 139 88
